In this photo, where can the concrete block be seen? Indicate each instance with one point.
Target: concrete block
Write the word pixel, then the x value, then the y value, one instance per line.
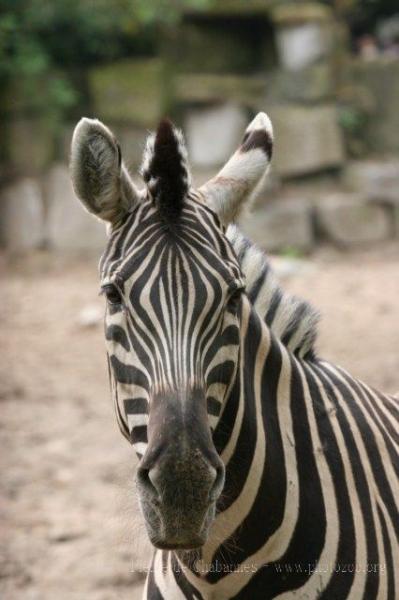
pixel 281 225
pixel 307 139
pixel 309 85
pixel 128 91
pixel 22 216
pixel 214 133
pixel 302 45
pixel 69 227
pixel 31 145
pixel 350 219
pixel 377 179
pixel 210 87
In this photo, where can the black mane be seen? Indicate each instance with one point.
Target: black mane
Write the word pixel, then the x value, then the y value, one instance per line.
pixel 165 170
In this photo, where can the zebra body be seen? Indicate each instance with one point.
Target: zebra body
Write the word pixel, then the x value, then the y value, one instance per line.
pixel 329 529
pixel 319 518
pixel 264 471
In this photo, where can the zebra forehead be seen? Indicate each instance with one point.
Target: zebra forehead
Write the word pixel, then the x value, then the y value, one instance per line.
pixel 196 238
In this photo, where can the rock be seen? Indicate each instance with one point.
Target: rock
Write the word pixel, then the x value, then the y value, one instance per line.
pixel 350 219
pixel 214 133
pixel 228 8
pixel 307 139
pixel 282 225
pixel 216 88
pixel 309 85
pixel 129 91
pixel 30 145
pixel 379 180
pixel 302 45
pixel 396 220
pixel 286 14
pixel 69 227
pixel 304 34
pixel 378 81
pixel 22 216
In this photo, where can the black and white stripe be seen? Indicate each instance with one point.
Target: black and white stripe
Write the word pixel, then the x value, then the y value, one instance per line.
pixel 309 507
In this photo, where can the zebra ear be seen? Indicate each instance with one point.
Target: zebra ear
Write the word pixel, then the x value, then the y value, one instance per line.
pixel 234 184
pixel 99 176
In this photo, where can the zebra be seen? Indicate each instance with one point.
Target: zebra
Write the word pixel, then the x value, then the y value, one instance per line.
pixel 264 471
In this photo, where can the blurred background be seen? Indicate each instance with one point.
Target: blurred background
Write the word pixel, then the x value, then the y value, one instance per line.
pixel 327 73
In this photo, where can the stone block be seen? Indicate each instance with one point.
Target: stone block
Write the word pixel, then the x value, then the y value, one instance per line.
pixel 230 7
pixel 214 133
pixel 31 145
pixel 303 45
pixel 22 216
pixel 350 219
pixel 378 81
pixel 128 91
pixel 286 14
pixel 396 220
pixel 69 227
pixel 307 139
pixel 281 225
pixel 379 180
pixel 209 87
pixel 309 85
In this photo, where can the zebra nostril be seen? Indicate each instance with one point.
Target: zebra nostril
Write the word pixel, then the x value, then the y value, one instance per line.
pixel 218 484
pixel 146 482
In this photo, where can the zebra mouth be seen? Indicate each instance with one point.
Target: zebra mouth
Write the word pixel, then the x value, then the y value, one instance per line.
pixel 190 544
pixel 185 533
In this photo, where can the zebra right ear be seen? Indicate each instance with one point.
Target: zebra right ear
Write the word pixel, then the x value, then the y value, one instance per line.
pixel 99 176
pixel 235 183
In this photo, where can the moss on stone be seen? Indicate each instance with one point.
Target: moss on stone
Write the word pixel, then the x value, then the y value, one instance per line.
pixel 294 13
pixel 128 91
pixel 210 88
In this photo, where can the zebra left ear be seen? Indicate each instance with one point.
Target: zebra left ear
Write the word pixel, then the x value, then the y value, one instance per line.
pixel 100 179
pixel 235 183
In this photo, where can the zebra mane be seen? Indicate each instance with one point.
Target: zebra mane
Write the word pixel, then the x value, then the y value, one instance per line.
pixel 292 320
pixel 165 169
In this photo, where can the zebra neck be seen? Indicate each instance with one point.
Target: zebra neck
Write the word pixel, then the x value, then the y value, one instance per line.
pixel 292 320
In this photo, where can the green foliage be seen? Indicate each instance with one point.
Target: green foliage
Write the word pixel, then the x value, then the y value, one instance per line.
pixel 43 41
pixel 291 252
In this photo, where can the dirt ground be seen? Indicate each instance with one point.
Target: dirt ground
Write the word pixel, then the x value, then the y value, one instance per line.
pixel 69 519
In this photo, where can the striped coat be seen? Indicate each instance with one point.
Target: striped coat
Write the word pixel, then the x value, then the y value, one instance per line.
pixel 310 505
pixel 264 471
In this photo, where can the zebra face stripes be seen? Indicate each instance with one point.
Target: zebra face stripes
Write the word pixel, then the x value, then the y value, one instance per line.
pixel 173 286
pixel 220 389
pixel 172 332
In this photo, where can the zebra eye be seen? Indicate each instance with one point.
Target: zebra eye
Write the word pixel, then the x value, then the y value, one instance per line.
pixel 234 299
pixel 112 294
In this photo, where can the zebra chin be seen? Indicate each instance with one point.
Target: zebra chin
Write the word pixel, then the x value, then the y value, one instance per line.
pixel 168 531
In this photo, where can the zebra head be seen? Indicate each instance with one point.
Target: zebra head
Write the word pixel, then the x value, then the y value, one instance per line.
pixel 174 293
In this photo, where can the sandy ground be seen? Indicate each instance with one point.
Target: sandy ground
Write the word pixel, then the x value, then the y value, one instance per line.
pixel 69 517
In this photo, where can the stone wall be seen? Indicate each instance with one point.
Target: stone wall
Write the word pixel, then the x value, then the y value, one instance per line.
pixel 212 75
pixel 293 76
pixel 361 209
pixel 42 212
